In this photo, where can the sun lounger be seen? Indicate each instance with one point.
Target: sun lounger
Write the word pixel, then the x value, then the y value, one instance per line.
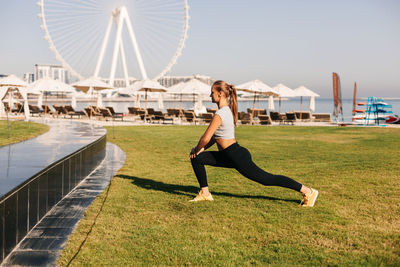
pixel 60 110
pixel 276 116
pixel 265 119
pixel 211 110
pixel 133 110
pixel 322 117
pixel 174 112
pixel 144 116
pixel 72 112
pixel 206 117
pixel 290 117
pixel 35 110
pixel 92 111
pixel 257 112
pixel 116 115
pixel 303 115
pixel 190 116
pixel 244 117
pixel 160 117
pixel 19 108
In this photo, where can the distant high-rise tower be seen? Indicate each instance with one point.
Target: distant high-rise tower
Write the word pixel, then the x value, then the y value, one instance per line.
pixel 168 81
pixel 55 72
pixel 29 77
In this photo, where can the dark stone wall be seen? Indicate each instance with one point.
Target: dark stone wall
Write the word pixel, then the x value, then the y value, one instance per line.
pixel 23 208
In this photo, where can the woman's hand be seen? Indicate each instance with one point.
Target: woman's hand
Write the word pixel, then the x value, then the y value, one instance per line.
pixel 193 153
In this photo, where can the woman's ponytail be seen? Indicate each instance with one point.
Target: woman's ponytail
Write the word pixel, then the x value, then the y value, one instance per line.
pixel 233 105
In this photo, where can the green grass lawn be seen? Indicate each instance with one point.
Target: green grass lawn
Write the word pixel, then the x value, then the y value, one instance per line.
pixel 147 219
pixel 20 131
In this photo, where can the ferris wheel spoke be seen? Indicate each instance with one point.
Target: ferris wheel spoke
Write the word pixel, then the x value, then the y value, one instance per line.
pixel 77 33
pixel 83 5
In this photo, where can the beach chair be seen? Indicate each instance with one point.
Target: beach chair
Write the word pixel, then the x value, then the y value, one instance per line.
pixel 60 110
pixel 72 112
pixel 190 116
pixel 19 108
pixel 290 118
pixel 244 117
pixel 48 110
pixel 144 115
pixel 174 112
pixel 322 117
pixel 303 115
pixel 35 110
pixel 116 115
pixel 92 111
pixel 257 112
pixel 150 111
pixel 207 117
pixel 265 119
pixel 133 110
pixel 276 117
pixel 160 117
pixel 211 110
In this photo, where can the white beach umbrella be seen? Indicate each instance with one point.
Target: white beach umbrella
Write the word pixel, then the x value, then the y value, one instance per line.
pixel 40 100
pixel 284 91
pixel 73 101
pixel 99 102
pixel 303 91
pixel 312 103
pixel 160 101
pixel 48 85
pixel 89 85
pixel 145 86
pixel 193 87
pixel 256 87
pixel 271 105
pixel 95 83
pixel 13 82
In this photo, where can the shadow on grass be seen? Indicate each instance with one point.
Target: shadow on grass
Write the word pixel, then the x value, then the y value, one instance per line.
pixel 188 190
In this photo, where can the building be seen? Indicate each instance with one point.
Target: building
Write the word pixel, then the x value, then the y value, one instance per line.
pixel 120 82
pixel 169 81
pixel 55 72
pixel 29 77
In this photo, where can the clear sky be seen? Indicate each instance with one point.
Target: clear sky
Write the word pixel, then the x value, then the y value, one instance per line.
pixel 295 42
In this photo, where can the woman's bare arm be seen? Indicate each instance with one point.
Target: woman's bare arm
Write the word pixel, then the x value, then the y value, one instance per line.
pixel 206 140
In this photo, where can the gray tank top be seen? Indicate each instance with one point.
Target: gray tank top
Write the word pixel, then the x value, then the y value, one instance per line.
pixel 227 128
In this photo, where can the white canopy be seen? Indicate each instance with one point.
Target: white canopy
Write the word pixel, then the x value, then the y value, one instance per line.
pixel 12 81
pixel 143 86
pixel 94 83
pixel 49 85
pixel 303 91
pixel 257 86
pixel 193 86
pixel 284 91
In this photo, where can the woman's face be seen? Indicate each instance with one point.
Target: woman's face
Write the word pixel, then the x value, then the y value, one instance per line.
pixel 215 95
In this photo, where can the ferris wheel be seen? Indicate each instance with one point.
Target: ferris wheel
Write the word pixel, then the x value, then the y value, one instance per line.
pixel 90 37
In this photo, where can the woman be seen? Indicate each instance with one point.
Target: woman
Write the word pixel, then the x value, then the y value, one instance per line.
pixel 230 154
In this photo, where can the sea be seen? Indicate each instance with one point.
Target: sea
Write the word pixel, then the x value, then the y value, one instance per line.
pixel 322 105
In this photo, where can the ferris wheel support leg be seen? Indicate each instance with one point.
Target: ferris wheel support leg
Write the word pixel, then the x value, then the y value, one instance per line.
pixel 123 58
pixel 134 43
pixel 116 47
pixel 103 47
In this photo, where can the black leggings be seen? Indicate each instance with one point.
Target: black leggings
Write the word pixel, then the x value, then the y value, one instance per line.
pixel 239 158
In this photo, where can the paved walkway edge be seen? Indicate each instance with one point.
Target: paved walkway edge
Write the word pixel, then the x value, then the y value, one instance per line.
pixel 44 243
